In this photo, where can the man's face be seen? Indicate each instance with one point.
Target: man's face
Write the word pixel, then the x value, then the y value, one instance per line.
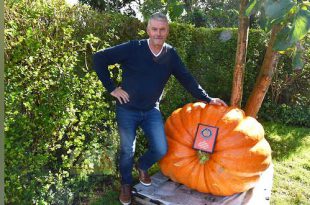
pixel 158 32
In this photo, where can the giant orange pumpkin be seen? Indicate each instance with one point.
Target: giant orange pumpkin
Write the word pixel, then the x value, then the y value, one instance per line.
pixel 240 155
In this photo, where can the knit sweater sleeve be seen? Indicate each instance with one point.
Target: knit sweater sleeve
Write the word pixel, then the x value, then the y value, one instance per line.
pixel 186 79
pixel 103 58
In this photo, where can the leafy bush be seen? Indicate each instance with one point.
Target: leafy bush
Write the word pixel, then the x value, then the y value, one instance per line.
pixel 59 127
pixel 286 114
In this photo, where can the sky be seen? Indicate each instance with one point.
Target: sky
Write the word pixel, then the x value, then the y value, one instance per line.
pixel 71 2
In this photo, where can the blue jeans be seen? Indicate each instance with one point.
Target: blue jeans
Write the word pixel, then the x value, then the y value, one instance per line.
pixel 152 125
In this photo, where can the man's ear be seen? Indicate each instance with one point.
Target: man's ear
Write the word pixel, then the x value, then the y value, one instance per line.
pixel 147 30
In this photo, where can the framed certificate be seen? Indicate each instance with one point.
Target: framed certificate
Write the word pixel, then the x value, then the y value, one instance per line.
pixel 205 138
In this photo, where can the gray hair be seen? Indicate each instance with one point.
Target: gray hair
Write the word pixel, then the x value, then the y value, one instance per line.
pixel 158 16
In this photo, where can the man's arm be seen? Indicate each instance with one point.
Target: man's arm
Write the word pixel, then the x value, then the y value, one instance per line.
pixel 189 82
pixel 102 59
pixel 110 56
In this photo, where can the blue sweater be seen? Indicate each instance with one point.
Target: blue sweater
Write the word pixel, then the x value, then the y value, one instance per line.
pixel 144 75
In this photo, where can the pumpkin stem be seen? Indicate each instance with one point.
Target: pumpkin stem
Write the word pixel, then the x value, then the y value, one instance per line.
pixel 203 156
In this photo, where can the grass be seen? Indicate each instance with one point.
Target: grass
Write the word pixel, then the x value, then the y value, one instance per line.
pixel 291 159
pixel 110 196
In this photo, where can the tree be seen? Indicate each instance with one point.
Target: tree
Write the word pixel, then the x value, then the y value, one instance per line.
pixel 201 13
pixel 149 7
pixel 115 6
pixel 243 33
pixel 211 13
pixel 288 21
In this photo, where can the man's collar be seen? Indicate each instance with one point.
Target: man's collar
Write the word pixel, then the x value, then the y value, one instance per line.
pixel 156 55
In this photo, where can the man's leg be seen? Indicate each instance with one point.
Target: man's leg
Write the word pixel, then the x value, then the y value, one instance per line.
pixel 153 127
pixel 127 121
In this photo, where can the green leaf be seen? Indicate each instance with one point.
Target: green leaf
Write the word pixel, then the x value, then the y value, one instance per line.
pixel 175 9
pixel 249 8
pixel 283 41
pixel 278 9
pixel 290 35
pixel 297 62
pixel 301 25
pixel 305 3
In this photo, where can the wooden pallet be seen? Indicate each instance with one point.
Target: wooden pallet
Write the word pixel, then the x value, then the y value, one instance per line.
pixel 163 191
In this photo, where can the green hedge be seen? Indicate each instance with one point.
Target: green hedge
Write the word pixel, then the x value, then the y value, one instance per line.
pixel 59 125
pixel 211 61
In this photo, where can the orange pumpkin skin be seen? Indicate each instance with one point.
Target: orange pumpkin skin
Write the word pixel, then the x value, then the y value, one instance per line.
pixel 240 155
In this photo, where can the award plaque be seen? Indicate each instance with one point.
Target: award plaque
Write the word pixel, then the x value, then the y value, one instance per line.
pixel 205 138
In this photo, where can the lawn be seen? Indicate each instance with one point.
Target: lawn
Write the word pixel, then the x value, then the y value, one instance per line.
pixel 291 159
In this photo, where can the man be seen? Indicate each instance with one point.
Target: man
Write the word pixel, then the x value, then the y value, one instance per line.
pixel 147 65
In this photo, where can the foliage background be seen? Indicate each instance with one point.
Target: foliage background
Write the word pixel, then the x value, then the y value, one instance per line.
pixel 59 125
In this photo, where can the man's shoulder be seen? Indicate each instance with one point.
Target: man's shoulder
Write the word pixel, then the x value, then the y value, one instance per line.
pixel 140 42
pixel 143 42
pixel 170 49
pixel 169 46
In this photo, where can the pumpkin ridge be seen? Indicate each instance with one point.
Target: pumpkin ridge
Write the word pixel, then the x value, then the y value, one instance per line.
pixel 201 185
pixel 228 122
pixel 174 122
pixel 221 111
pixel 251 161
pixel 192 177
pixel 181 150
pixel 182 173
pixel 178 162
pixel 240 136
pixel 187 123
pixel 236 183
pixel 233 172
pixel 238 139
pixel 217 185
pixel 209 112
pixel 207 178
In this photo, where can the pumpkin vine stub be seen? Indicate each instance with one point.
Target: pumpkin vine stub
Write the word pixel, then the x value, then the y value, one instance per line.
pixel 203 156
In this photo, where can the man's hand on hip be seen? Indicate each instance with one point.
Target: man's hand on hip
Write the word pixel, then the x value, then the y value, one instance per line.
pixel 121 95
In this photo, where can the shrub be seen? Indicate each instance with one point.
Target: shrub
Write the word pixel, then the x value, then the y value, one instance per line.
pixel 59 127
pixel 286 114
